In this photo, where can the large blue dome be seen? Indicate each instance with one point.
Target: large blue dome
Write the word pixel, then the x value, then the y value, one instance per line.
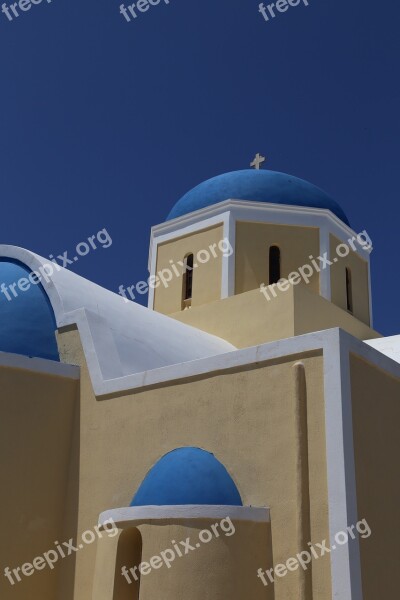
pixel 187 476
pixel 259 186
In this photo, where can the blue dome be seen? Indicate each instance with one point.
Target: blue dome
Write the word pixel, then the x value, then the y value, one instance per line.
pixel 27 323
pixel 187 476
pixel 258 186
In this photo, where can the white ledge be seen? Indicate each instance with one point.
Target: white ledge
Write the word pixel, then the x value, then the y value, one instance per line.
pixel 148 514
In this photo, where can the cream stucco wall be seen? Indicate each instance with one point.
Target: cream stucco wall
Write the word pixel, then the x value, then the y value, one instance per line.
pixel 249 319
pixel 207 276
pixel 246 418
pixel 359 278
pixel 36 439
pixel 253 241
pixel 218 569
pixel 376 417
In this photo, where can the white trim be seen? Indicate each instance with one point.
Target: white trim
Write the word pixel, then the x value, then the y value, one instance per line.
pixel 228 262
pixel 219 363
pixel 325 274
pixel 342 493
pixel 152 270
pixel 39 365
pixel 371 313
pixel 284 214
pixel 146 514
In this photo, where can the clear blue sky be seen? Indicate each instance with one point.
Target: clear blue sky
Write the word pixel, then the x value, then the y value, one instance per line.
pixel 106 123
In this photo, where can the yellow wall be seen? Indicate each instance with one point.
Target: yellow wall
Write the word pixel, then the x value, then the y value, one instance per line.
pixel 36 437
pixel 359 277
pixel 376 418
pixel 206 277
pixel 253 241
pixel 249 319
pixel 315 313
pixel 246 319
pixel 220 565
pixel 215 413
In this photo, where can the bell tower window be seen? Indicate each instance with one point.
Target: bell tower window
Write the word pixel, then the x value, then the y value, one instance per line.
pixel 187 283
pixel 349 291
pixel 274 265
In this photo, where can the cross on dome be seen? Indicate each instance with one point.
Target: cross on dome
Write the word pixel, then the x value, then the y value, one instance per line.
pixel 258 160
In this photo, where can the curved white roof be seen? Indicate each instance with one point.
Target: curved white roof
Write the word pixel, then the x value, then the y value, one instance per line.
pixel 119 338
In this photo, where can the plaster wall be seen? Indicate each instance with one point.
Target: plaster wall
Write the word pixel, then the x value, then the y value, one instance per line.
pixel 314 313
pixel 359 279
pixel 217 570
pixel 246 319
pixel 376 416
pixel 206 277
pixel 245 417
pixel 249 319
pixel 253 241
pixel 36 433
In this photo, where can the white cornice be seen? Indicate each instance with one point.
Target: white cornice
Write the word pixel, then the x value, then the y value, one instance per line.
pixel 284 214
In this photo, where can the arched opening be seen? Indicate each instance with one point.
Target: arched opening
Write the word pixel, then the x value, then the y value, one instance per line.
pixel 274 265
pixel 129 557
pixel 187 283
pixel 349 291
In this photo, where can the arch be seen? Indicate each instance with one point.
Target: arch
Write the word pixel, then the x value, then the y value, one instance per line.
pixel 129 557
pixel 187 281
pixel 349 290
pixel 185 476
pixel 28 321
pixel 274 264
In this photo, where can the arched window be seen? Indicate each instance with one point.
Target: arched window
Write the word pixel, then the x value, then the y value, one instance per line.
pixel 274 264
pixel 128 559
pixel 349 291
pixel 187 284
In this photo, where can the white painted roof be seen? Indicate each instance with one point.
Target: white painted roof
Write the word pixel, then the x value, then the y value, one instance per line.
pixel 390 346
pixel 119 338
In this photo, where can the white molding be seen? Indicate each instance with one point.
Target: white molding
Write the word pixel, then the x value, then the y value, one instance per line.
pixel 325 274
pixel 342 493
pixel 39 365
pixel 284 214
pixel 371 312
pixel 231 360
pixel 228 262
pixel 146 514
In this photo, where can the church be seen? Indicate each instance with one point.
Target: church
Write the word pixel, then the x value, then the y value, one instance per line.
pixel 237 439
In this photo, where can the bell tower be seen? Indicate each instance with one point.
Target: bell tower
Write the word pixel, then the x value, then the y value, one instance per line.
pixel 266 245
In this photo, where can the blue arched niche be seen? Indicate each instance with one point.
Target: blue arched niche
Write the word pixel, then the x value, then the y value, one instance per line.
pixel 27 322
pixel 187 476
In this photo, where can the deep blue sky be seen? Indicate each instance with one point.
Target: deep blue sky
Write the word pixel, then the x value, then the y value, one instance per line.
pixel 106 123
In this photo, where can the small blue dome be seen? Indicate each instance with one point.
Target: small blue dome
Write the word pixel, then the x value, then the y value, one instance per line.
pixel 187 476
pixel 258 186
pixel 27 323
